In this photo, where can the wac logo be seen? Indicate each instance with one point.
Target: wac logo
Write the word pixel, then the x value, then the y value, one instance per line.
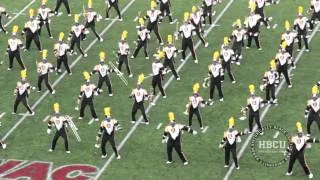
pixel 39 170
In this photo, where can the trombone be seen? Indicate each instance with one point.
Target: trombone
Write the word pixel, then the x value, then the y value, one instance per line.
pixel 119 73
pixel 73 128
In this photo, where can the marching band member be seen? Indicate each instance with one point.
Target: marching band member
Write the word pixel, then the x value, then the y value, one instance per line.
pixel 215 73
pixel 226 55
pixel 254 103
pixel 195 19
pixel 30 29
pixel 283 59
pixel 157 69
pixel 91 18
pixel 43 68
pixel 13 49
pixel 142 41
pixel 77 32
pixel 139 95
pixel 172 136
pixel 170 52
pixel 44 13
pixel 312 109
pixel 165 11
pixel 253 25
pixel 298 145
pixel 194 105
pixel 87 92
pixel 315 9
pixel 123 53
pixel 271 80
pixel 22 91
pixel 107 130
pixel 60 50
pixel 300 25
pixel 186 31
pixel 289 37
pixel 207 10
pixel 3 12
pixel 229 143
pixel 238 35
pixel 103 70
pixel 61 124
pixel 66 5
pixel 115 5
pixel 260 4
pixel 153 15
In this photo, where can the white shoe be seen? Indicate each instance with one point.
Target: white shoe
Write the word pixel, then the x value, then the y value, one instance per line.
pixel 9 69
pixel 104 156
pixel 118 157
pixel 4 146
pixel 226 166
pixel 298 50
pixel 161 44
pixel 238 167
pixel 50 150
pixel 260 49
pixel 238 63
pixel 201 128
pixel 132 57
pixel 169 162
pixel 13 113
pixel 110 94
pixel 68 152
pixel 290 86
pixel 164 97
pixel 51 37
pixel 196 61
pixel 261 133
pixel 131 75
pixel 147 57
pixel 178 79
pixel 70 74
pixel 221 100
pixel 186 163
pixel 247 47
pixel 133 122
pixel 107 19
pixel 147 123
pixel 32 114
pixel 307 50
pixel 80 117
pixel 310 176
pixel 289 174
pixel 53 92
pixel 96 119
pixel 268 27
pixel 101 40
pixel 120 19
pixel 206 45
pixel 85 55
pixel 233 82
pixel 69 15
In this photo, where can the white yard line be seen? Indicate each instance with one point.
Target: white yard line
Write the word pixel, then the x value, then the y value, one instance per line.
pixel 128 135
pixel 205 129
pixel 246 143
pixel 159 125
pixel 274 26
pixel 65 73
pixel 1 116
pixel 46 118
pixel 19 13
pixel 91 121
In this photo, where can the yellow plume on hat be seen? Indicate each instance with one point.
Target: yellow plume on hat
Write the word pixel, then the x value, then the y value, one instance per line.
pixel 193 9
pixel 171 116
pixel 141 21
pixel 284 45
pixel 153 4
pixel 23 74
pixel 124 35
pixel 299 126
pixel 231 122
pixel 287 25
pixel 86 75
pixel 15 29
pixel 31 12
pixel 170 39
pixel 160 55
pixel 226 41
pixel 76 18
pixel 56 107
pixel 315 90
pixel 300 10
pixel 45 53
pixel 216 55
pixel 186 16
pixel 107 111
pixel 61 36
pixel 89 3
pixel 251 88
pixel 196 87
pixel 102 56
pixel 140 78
pixel 44 2
pixel 238 23
pixel 273 64
pixel 252 6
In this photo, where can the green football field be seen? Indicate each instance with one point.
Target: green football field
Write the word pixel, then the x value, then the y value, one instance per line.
pixel 143 155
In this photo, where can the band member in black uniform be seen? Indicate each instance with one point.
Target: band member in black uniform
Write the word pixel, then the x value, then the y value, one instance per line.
pixel 91 18
pixel 194 105
pixel 226 56
pixel 283 60
pixel 22 92
pixel 315 9
pixel 271 80
pixel 43 14
pixel 238 35
pixel 300 25
pixel 123 53
pixel 13 49
pixel 312 112
pixel 260 5
pixel 60 123
pixel 289 37
pixel 215 73
pixel 107 130
pixel 153 15
pixel 3 12
pixel 66 5
pixel 142 41
pixel 170 52
pixel 31 30
pixel 115 5
pixel 195 18
pixel 207 10
pixel 61 50
pixel 253 24
pixel 298 144
pixel 76 35
pixel 44 68
pixel 157 69
pixel 172 136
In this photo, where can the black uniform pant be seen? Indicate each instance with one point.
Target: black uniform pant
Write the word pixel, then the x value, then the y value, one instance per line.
pixel 195 111
pixel 65 3
pixel 92 26
pixel 107 81
pixel 124 59
pixel 165 11
pixel 302 161
pixel 188 43
pixel 116 7
pixel 313 117
pixel 60 133
pixel 199 34
pixel 169 62
pixel 108 138
pixel 74 41
pixel 256 116
pixel 44 77
pixel 264 19
pixel 237 48
pixel 176 145
pixel 215 82
pixel 284 70
pixel 88 102
pixel 289 49
pixel 251 35
pixel 233 150
pixel 155 28
pixel 24 100
pixel 63 59
pixel 15 54
pixel 315 15
pixel 157 81
pixel 270 91
pixel 35 37
pixel 227 65
pixel 135 107
pixel 1 25
pixel 302 35
pixel 45 22
pixel 141 44
pixel 207 12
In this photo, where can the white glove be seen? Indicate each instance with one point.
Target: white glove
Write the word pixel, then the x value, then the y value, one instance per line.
pixel 164 141
pixel 48 131
pixel 306 116
pixel 76 108
pixel 69 38
pixel 194 132
pixel 220 146
pixel 97 145
pixel 4 146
